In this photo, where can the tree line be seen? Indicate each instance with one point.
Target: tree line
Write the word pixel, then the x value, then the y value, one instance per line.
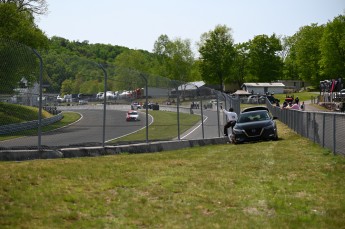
pixel 314 53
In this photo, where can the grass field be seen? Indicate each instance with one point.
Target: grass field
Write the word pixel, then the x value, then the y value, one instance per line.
pixel 14 113
pixel 290 183
pixel 164 126
pixel 68 118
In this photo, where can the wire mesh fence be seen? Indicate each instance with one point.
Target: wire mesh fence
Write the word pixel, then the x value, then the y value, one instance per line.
pixel 115 105
pixel 324 128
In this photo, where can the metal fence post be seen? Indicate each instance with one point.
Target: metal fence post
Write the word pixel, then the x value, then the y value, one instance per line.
pixel 202 120
pixel 323 129
pixel 218 115
pixel 40 100
pixel 334 134
pixel 146 108
pixel 178 113
pixel 314 137
pixel 104 102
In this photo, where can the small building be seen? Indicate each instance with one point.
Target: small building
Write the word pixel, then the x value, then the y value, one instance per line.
pixel 264 88
pixel 295 85
pixel 197 88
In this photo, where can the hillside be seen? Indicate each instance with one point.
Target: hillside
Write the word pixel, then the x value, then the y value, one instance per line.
pixel 13 113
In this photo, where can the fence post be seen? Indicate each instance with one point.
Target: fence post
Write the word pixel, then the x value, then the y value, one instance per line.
pixel 314 127
pixel 146 108
pixel 40 101
pixel 323 129
pixel 202 120
pixel 218 115
pixel 105 102
pixel 178 113
pixel 334 134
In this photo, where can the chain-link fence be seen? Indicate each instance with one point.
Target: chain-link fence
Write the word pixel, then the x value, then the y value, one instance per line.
pixel 115 105
pixel 324 128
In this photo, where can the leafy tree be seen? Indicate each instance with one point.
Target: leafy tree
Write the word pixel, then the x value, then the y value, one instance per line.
pixel 264 63
pixel 288 56
pixel 307 53
pixel 20 27
pixel 239 68
pixel 176 57
pixel 17 60
pixel 216 50
pixel 67 87
pixel 332 46
pixel 38 7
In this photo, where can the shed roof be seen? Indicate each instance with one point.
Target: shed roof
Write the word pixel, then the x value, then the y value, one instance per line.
pixel 264 84
pixel 191 85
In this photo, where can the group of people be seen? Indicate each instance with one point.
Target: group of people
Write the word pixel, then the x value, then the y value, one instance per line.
pixel 292 105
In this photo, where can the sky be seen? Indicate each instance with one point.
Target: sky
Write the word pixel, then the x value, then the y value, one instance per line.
pixel 137 24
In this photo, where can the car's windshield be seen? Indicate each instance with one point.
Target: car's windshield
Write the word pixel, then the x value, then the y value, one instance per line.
pixel 133 113
pixel 254 116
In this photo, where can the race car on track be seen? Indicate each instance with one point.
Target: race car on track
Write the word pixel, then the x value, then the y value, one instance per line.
pixel 132 116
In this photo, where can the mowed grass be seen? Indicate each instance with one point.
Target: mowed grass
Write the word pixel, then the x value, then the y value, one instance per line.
pixel 290 183
pixel 14 113
pixel 164 126
pixel 68 118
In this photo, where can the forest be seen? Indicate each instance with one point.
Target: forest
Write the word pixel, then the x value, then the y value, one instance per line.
pixel 314 53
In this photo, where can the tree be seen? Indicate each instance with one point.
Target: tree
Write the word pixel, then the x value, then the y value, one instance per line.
pixel 239 68
pixel 288 56
pixel 307 53
pixel 216 54
pixel 264 63
pixel 20 27
pixel 39 7
pixel 18 34
pixel 332 46
pixel 176 56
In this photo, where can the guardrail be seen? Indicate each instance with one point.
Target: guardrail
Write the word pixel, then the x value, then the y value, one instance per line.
pixel 16 127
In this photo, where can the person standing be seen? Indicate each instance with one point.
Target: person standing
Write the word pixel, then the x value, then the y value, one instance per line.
pixel 231 118
pixel 303 106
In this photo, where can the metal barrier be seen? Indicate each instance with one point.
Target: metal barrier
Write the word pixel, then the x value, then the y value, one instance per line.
pixel 120 87
pixel 324 128
pixel 16 127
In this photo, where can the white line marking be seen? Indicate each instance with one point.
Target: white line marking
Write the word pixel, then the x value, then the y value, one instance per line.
pixel 132 132
pixel 195 128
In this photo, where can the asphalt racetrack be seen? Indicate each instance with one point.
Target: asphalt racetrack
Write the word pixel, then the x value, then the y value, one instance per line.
pixel 88 130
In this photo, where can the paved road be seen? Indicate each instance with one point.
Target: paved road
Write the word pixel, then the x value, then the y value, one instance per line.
pixel 211 129
pixel 89 129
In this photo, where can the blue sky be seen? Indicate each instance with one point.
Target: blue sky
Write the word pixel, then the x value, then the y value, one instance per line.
pixel 137 24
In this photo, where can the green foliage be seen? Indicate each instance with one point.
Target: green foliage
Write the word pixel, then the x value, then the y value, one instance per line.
pixel 20 26
pixel 175 57
pixel 332 48
pixel 18 35
pixel 240 67
pixel 13 113
pixel 306 53
pixel 264 63
pixel 217 53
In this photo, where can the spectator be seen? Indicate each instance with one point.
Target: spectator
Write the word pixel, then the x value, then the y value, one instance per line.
pixel 303 106
pixel 295 106
pixel 297 100
pixel 231 118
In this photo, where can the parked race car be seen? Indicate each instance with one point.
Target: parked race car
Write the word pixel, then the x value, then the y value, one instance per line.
pixel 132 116
pixel 254 124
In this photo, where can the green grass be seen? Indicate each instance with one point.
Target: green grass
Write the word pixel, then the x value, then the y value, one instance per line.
pixel 68 118
pixel 13 113
pixel 303 96
pixel 164 126
pixel 290 183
